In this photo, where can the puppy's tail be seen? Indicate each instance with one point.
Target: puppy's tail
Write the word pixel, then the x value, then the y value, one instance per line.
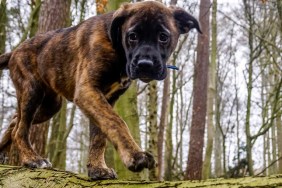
pixel 4 60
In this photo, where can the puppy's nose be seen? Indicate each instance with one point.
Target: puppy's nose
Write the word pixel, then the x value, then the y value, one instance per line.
pixel 145 64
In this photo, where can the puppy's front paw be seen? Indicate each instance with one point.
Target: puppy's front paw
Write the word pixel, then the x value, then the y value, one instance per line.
pixel 142 160
pixel 37 163
pixel 101 173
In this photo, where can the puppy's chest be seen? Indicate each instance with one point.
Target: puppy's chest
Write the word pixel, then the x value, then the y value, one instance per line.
pixel 117 88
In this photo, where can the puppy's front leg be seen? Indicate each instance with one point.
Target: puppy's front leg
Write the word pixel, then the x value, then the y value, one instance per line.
pixel 94 104
pixel 96 166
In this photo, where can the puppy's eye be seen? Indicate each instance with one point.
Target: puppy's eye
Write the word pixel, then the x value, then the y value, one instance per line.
pixel 132 37
pixel 163 38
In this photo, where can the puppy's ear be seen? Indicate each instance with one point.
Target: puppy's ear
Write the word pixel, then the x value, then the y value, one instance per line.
pixel 185 22
pixel 119 17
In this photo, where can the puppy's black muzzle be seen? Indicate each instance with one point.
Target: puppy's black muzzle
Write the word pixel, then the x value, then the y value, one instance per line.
pixel 147 65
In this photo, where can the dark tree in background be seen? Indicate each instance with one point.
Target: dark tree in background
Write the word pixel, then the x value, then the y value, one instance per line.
pixel 3 21
pixel 196 145
pixel 54 14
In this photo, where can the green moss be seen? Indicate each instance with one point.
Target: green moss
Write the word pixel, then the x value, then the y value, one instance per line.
pixel 47 178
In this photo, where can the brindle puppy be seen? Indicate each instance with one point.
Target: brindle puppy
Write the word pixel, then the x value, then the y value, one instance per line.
pixel 92 64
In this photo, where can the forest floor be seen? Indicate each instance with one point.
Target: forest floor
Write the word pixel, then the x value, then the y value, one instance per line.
pixel 14 177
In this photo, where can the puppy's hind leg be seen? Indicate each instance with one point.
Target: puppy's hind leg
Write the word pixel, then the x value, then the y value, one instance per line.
pixel 29 100
pixel 6 141
pixel 49 106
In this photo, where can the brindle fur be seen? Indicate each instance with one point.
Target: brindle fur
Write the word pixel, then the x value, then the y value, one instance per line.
pixel 90 64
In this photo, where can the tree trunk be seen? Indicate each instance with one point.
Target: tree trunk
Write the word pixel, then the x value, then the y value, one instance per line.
pixel 279 9
pixel 3 23
pixel 163 124
pixel 32 25
pixel 58 145
pixel 277 76
pixel 211 96
pixel 54 14
pixel 279 141
pixel 269 170
pixel 264 114
pixel 274 150
pixel 126 107
pixel 53 136
pixel 39 142
pixel 196 145
pixel 248 13
pixel 264 154
pixel 24 177
pixel 218 170
pixel 168 141
pixel 34 20
pixel 153 124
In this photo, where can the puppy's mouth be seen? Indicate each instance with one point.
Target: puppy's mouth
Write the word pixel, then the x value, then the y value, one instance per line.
pixel 146 75
pixel 146 80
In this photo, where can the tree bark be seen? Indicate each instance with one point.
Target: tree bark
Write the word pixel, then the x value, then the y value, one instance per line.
pixel 164 117
pixel 163 124
pixel 54 14
pixel 152 123
pixel 57 144
pixel 35 16
pixel 218 153
pixel 273 150
pixel 3 23
pixel 126 107
pixel 211 96
pixel 279 9
pixel 168 140
pixel 196 145
pixel 279 140
pixel 39 142
pixel 11 176
pixel 248 11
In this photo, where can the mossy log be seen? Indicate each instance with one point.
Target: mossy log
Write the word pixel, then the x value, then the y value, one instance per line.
pixel 14 177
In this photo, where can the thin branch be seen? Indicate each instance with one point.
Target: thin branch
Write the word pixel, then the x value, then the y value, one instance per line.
pixel 27 29
pixel 275 109
pixel 142 90
pixel 255 34
pixel 272 163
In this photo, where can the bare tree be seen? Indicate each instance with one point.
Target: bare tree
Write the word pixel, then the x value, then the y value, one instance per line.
pixel 196 145
pixel 54 14
pixel 211 96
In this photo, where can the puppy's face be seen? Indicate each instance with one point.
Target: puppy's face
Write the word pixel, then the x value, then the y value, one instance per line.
pixel 148 33
pixel 148 42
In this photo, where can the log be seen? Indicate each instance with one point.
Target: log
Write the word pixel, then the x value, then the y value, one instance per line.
pixel 11 176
